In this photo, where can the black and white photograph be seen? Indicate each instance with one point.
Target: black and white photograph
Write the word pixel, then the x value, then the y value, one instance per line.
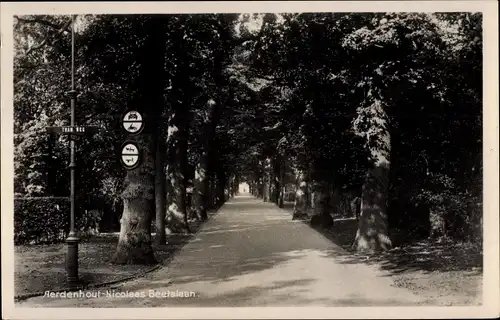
pixel 200 157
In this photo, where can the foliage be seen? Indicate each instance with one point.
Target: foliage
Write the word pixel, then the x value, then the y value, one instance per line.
pixel 299 85
pixel 46 220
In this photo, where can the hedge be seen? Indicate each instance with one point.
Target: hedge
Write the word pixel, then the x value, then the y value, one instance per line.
pixel 40 220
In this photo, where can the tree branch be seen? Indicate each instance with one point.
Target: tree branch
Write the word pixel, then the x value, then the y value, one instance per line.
pixel 42 21
pixel 239 41
pixel 44 42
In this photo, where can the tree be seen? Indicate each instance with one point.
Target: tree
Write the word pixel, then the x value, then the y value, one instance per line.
pixel 134 244
pixel 160 190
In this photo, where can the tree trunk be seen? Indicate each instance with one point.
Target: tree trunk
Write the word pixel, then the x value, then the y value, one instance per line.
pixel 321 189
pixel 276 180
pixel 355 207
pixel 235 186
pixel 134 243
pixel 160 194
pixel 373 229
pixel 301 197
pixel 281 195
pixel 260 188
pixel 213 191
pixel 176 171
pixel 272 191
pixel 201 183
pixel 266 183
pixel 220 188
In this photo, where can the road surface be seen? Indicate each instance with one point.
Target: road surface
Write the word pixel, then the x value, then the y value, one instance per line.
pixel 250 254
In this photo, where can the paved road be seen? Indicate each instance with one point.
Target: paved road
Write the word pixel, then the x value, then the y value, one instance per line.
pixel 252 254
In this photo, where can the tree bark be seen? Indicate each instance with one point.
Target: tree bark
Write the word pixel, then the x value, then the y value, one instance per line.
pixel 266 180
pixel 230 187
pixel 276 180
pixel 260 188
pixel 235 186
pixel 213 191
pixel 301 197
pixel 201 183
pixel 176 171
pixel 373 229
pixel 321 189
pixel 160 194
pixel 281 195
pixel 220 188
pixel 134 243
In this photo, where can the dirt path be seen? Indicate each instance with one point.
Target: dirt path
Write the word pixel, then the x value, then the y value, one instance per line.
pixel 252 254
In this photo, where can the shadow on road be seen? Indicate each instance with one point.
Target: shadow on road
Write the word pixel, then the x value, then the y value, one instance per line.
pixel 422 255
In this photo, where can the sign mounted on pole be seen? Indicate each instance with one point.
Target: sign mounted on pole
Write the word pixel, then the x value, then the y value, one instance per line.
pixel 74 130
pixel 130 155
pixel 132 122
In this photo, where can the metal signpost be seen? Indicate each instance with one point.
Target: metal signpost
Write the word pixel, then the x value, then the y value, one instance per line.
pixel 73 131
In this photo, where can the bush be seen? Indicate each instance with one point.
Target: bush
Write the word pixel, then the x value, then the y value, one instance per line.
pixel 453 213
pixel 40 220
pixel 289 196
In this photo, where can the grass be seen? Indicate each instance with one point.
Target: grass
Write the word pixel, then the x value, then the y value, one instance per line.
pixel 41 268
pixel 448 272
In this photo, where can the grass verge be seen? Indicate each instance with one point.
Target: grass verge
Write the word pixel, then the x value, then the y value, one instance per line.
pixel 39 268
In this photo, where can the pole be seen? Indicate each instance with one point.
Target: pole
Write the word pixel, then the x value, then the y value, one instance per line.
pixel 72 240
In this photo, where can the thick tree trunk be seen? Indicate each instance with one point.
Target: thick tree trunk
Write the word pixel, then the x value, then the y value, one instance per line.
pixel 373 229
pixel 176 172
pixel 134 244
pixel 321 189
pixel 301 197
pixel 160 194
pixel 201 183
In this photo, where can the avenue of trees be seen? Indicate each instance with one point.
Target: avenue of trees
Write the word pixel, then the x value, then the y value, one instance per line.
pixel 385 108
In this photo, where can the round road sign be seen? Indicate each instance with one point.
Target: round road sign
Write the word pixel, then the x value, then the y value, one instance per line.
pixel 130 155
pixel 133 122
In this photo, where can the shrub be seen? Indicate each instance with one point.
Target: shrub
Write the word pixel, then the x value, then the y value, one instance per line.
pixel 289 196
pixel 457 213
pixel 40 220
